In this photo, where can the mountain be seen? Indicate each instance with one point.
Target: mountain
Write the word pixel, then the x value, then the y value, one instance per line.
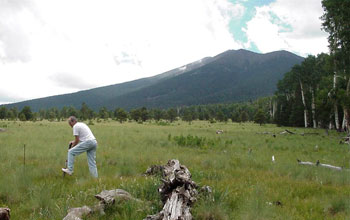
pixel 235 75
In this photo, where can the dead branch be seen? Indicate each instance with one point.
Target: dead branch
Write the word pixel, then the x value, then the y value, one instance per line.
pixel 345 140
pixel 319 164
pixel 302 134
pixel 287 132
pixel 5 214
pixel 178 193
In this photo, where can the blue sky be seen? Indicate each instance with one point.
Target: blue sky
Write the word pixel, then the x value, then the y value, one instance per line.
pixel 63 46
pixel 236 25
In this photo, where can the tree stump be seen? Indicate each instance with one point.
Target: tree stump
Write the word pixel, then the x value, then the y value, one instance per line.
pixel 178 193
pixel 4 214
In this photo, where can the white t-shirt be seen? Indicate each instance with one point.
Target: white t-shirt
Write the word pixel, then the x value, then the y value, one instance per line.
pixel 83 131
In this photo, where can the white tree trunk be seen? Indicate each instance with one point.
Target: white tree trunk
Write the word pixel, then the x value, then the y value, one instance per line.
pixel 274 107
pixel 313 106
pixel 336 115
pixel 344 121
pixel 304 103
pixel 346 109
pixel 271 108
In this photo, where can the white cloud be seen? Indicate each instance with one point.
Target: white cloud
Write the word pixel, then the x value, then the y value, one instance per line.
pixel 105 42
pixel 291 25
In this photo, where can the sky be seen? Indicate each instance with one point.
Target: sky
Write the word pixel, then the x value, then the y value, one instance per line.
pixel 51 47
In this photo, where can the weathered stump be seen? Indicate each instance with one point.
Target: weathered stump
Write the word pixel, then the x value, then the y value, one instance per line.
pixel 178 193
pixel 4 214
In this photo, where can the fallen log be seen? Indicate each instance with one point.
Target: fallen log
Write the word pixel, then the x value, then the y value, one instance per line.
pixel 287 132
pixel 319 164
pixel 78 213
pixel 178 193
pixel 106 198
pixel 309 133
pixel 328 166
pixel 265 132
pixel 5 214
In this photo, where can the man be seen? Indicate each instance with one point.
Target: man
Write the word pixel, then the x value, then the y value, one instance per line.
pixel 84 141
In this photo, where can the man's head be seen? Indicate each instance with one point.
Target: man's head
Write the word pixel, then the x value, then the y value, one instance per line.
pixel 72 120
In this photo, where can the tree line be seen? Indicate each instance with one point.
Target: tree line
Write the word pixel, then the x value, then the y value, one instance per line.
pixel 316 93
pixel 259 111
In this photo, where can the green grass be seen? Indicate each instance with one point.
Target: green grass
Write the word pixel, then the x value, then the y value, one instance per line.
pixel 236 164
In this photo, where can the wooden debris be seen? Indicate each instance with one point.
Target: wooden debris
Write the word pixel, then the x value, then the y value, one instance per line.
pixel 276 203
pixel 266 132
pixel 345 140
pixel 106 197
pixel 309 133
pixel 319 164
pixel 206 189
pixel 2 130
pixel 78 213
pixel 286 132
pixel 219 131
pixel 178 193
pixel 5 214
pixel 328 166
pixel 154 170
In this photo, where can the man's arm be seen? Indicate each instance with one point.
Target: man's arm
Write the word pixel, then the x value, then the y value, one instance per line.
pixel 76 141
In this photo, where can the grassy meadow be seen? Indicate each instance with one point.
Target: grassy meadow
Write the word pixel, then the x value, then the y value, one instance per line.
pixel 236 164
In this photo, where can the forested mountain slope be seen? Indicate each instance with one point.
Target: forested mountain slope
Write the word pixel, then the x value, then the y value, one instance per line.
pixel 235 75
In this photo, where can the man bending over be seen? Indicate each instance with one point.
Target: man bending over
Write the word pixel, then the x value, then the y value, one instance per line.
pixel 84 141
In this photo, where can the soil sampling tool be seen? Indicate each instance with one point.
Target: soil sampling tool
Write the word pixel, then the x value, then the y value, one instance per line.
pixel 66 163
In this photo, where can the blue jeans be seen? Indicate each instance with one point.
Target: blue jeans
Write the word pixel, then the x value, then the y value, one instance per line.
pixel 90 148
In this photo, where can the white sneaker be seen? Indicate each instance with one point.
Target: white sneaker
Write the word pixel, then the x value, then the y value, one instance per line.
pixel 67 171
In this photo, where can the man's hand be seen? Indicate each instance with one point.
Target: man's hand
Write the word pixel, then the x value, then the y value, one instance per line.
pixel 75 142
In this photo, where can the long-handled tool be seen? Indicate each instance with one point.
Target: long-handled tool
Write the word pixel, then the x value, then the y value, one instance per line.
pixel 66 163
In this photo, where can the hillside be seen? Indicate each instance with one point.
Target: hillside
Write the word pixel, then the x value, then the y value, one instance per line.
pixel 235 75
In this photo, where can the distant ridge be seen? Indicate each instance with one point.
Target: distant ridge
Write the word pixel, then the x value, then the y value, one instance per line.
pixel 234 75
